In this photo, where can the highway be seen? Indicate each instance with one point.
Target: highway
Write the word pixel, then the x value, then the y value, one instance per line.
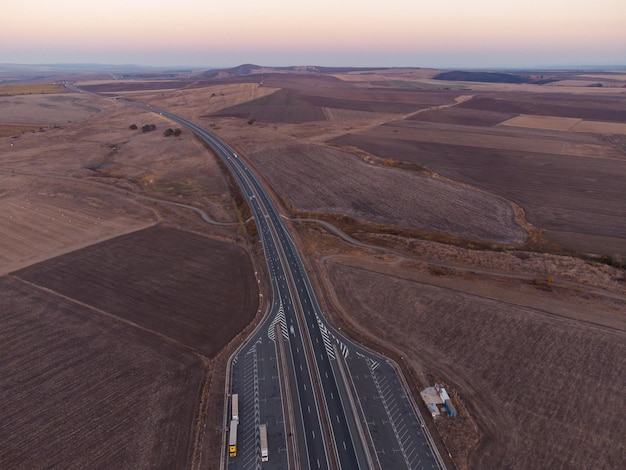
pixel 349 407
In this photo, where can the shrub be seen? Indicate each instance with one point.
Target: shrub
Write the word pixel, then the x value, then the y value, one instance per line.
pixel 175 132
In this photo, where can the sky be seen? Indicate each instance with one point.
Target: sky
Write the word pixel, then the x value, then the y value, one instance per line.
pixel 365 33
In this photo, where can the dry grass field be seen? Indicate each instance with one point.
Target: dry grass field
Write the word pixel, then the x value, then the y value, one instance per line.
pixel 30 88
pixel 599 127
pixel 9 130
pixel 47 109
pixel 76 184
pixel 39 224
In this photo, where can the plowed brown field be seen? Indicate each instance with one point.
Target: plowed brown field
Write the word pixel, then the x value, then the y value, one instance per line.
pixel 595 108
pixel 193 290
pixel 298 106
pixel 576 189
pixel 320 179
pixel 104 351
pixel 543 389
pixel 80 389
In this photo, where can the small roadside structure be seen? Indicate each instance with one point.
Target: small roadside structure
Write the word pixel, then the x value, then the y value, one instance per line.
pixel 432 400
pixel 446 400
pixel 437 400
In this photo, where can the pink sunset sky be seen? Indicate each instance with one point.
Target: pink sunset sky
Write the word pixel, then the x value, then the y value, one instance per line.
pixel 204 33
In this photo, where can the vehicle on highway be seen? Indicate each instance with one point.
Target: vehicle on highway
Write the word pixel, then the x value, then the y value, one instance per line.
pixel 235 407
pixel 264 450
pixel 232 439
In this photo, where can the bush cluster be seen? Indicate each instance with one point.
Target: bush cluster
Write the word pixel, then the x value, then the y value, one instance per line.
pixel 175 132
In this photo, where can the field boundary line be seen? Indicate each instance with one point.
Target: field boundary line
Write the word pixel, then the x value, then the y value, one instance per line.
pixel 113 316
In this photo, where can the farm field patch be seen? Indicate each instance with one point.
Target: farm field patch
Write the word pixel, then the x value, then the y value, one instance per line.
pixel 30 88
pixel 560 193
pixel 500 137
pixel 543 122
pixel 299 106
pixel 599 127
pixel 196 102
pixel 596 107
pixel 46 109
pixel 565 124
pixel 196 291
pixel 525 374
pixel 320 179
pixel 465 117
pixel 84 390
pixel 618 76
pixel 38 224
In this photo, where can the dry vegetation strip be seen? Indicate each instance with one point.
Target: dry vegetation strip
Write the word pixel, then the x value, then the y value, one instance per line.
pixel 30 88
pixel 544 391
pixel 7 130
pixel 81 390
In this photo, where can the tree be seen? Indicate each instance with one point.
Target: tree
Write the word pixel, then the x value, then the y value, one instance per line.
pixel 133 127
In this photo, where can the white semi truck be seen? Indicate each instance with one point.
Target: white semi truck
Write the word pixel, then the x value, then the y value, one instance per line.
pixel 264 450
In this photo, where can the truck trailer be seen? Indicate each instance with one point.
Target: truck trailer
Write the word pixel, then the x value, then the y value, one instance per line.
pixel 264 450
pixel 232 439
pixel 235 407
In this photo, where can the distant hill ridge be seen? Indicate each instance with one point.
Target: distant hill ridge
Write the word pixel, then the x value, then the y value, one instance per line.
pixel 491 77
pixel 252 69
